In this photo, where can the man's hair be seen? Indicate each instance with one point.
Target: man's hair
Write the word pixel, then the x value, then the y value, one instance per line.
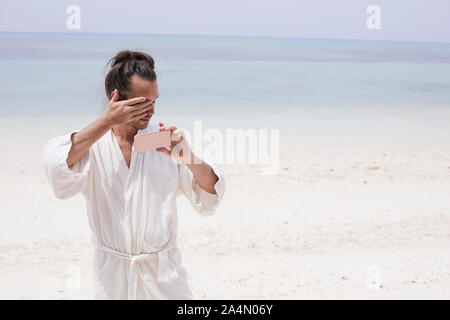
pixel 123 66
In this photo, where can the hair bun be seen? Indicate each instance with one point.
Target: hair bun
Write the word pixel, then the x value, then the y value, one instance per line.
pixel 127 55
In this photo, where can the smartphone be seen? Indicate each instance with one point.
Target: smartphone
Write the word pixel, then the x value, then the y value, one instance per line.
pixel 151 141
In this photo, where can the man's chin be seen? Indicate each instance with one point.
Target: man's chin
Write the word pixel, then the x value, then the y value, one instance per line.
pixel 142 124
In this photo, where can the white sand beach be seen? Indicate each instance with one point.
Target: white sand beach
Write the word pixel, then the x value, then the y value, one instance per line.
pixel 351 214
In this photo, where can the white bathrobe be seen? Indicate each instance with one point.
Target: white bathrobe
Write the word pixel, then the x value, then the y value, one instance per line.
pixel 132 213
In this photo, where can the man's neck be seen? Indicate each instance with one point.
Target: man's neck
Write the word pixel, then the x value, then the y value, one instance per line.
pixel 125 132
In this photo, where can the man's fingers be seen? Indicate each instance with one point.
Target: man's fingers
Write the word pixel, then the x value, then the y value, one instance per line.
pixel 177 135
pixel 142 109
pixel 137 117
pixel 114 96
pixel 140 104
pixel 167 128
pixel 163 150
pixel 133 101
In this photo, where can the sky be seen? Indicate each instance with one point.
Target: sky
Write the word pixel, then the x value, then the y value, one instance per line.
pixel 399 20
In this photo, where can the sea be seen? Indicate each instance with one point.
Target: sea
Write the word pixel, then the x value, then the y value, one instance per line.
pixel 63 74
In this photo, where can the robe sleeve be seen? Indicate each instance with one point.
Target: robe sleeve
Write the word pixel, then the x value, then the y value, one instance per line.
pixel 203 202
pixel 65 182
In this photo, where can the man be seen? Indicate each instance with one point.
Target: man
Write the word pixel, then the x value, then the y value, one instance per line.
pixel 131 197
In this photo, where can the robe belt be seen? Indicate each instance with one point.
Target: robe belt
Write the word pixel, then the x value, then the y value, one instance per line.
pixel 167 271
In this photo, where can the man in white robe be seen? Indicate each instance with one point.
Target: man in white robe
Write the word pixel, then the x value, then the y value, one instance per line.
pixel 131 209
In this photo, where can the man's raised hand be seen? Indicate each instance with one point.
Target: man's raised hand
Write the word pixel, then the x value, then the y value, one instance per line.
pixel 179 146
pixel 125 111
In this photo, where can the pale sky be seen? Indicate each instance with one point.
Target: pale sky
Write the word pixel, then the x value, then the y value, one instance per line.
pixel 401 20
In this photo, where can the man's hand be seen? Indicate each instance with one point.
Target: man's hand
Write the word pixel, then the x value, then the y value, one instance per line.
pixel 180 149
pixel 179 146
pixel 125 111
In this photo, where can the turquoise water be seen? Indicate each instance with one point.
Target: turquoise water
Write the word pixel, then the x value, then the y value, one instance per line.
pixel 56 74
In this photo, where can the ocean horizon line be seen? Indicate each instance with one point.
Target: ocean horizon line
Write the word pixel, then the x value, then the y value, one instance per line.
pixel 202 36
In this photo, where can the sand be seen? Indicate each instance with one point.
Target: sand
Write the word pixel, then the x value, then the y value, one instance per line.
pixel 351 221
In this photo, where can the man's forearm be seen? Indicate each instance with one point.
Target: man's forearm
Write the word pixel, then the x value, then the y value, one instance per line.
pixel 84 139
pixel 203 174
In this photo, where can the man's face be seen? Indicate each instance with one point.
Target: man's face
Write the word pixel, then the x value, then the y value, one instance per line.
pixel 143 88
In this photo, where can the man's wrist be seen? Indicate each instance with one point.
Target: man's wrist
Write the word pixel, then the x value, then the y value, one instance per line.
pixel 193 159
pixel 106 121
